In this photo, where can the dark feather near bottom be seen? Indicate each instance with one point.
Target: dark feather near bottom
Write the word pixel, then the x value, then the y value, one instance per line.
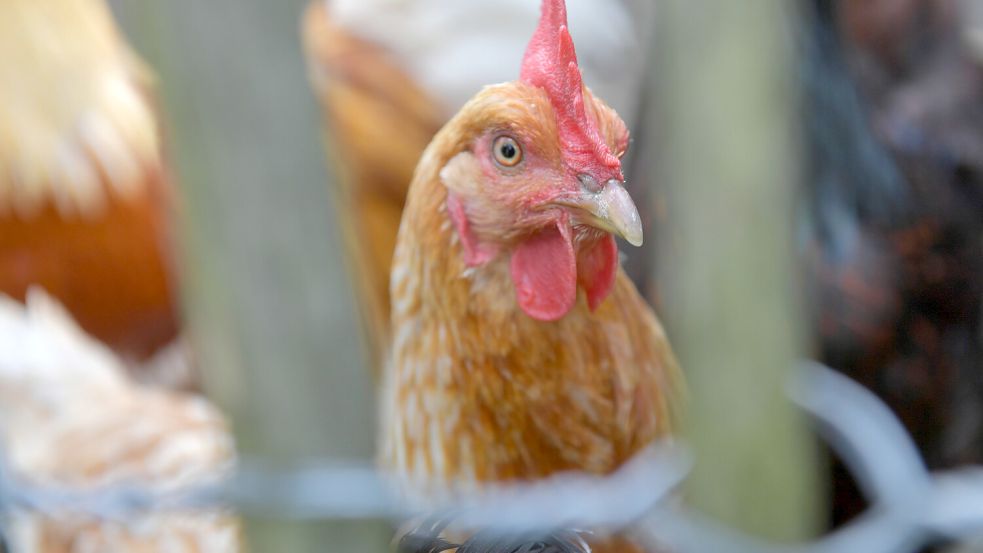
pixel 427 538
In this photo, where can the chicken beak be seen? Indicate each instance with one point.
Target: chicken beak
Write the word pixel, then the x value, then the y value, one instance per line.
pixel 608 208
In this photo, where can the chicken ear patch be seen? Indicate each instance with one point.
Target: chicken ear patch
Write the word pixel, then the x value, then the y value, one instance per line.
pixel 597 266
pixel 475 253
pixel 544 272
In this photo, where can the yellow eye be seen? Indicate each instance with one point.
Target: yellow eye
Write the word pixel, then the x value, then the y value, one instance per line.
pixel 507 151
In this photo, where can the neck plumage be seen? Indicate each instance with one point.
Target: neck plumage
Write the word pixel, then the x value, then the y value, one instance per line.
pixel 445 316
pixel 430 278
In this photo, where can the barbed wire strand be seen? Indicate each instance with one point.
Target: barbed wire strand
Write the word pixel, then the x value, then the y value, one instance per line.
pixel 909 506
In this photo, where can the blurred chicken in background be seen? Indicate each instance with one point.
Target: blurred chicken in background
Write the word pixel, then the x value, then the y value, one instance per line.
pixel 390 73
pixel 895 202
pixel 84 198
pixel 70 416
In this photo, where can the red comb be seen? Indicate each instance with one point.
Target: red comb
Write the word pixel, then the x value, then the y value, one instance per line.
pixel 551 64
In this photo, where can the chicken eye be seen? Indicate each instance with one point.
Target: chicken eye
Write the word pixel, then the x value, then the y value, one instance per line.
pixel 507 151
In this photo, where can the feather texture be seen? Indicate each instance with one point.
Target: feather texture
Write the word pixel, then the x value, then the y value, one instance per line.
pixel 427 539
pixel 84 197
pixel 76 127
pixel 477 390
pixel 69 416
pixel 389 73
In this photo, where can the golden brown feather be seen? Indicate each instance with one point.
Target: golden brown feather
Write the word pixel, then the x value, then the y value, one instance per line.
pixel 70 416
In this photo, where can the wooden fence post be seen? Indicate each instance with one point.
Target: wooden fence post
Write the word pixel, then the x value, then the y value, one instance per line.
pixel 727 154
pixel 267 296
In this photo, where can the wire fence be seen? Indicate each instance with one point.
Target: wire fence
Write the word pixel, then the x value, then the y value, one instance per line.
pixel 910 507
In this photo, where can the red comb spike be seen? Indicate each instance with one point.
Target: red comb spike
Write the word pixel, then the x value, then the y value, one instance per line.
pixel 550 63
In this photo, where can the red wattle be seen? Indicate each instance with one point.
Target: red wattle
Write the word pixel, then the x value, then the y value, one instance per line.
pixel 597 266
pixel 544 272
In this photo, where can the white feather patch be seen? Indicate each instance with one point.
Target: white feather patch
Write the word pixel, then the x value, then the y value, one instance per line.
pixel 455 48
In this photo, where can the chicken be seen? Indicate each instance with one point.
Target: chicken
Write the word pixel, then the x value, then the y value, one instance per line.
pixel 520 348
pixel 84 197
pixel 897 206
pixel 69 416
pixel 390 73
pixel 369 101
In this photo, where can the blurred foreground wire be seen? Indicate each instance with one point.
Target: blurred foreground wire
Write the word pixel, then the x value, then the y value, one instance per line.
pixel 910 507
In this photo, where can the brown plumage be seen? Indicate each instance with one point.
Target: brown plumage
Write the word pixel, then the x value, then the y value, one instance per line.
pixel 70 416
pixel 84 197
pixel 380 121
pixel 499 393
pixel 496 373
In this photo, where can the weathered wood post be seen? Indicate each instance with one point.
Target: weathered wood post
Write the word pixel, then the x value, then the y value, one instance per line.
pixel 266 293
pixel 727 152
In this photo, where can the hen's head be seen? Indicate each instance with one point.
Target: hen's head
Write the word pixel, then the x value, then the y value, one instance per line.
pixel 536 175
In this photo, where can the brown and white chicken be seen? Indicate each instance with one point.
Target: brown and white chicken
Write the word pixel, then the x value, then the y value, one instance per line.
pixel 520 347
pixel 70 417
pixel 84 197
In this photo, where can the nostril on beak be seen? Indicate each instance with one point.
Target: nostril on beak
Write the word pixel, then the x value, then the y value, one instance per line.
pixel 608 208
pixel 589 183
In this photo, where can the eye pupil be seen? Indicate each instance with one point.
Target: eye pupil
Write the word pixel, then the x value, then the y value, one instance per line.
pixel 508 151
